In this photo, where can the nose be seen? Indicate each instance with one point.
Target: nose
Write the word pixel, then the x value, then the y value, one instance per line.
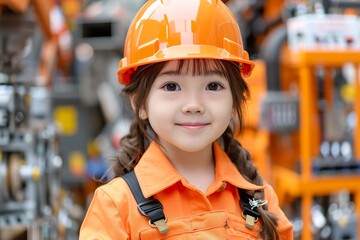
pixel 193 103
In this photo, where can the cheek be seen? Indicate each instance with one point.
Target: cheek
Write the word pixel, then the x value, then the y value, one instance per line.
pixel 157 109
pixel 224 107
pixel 226 115
pixel 222 112
pixel 229 112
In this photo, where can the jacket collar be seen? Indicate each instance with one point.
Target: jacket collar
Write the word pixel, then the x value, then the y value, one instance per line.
pixel 156 173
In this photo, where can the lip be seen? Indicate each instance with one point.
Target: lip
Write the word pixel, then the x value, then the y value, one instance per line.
pixel 192 125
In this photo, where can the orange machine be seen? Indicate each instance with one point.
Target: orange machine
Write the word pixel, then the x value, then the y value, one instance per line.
pixel 304 183
pixel 56 50
pixel 288 159
pixel 319 155
pixel 35 44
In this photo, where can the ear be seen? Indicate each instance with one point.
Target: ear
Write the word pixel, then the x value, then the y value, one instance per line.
pixel 142 111
pixel 132 102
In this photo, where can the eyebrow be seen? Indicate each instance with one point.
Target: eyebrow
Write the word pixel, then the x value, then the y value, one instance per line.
pixel 207 73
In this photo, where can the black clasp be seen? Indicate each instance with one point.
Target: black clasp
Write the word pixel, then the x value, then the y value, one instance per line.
pixel 153 209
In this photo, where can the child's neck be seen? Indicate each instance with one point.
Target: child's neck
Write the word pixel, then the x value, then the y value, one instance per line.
pixel 197 168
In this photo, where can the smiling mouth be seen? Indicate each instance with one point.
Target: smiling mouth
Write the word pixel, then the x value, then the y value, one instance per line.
pixel 193 126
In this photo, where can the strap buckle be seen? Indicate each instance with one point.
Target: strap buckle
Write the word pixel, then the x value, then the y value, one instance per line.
pixel 249 220
pixel 153 209
pixel 160 225
pixel 149 206
pixel 250 206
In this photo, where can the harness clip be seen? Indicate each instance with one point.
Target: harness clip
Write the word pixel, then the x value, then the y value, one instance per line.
pixel 160 225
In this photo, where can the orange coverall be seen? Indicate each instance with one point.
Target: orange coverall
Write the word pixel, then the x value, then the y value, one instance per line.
pixel 191 214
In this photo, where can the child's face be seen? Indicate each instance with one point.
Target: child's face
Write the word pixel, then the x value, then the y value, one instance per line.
pixel 188 112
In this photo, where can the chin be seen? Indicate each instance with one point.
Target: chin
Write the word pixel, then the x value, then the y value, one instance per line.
pixel 193 148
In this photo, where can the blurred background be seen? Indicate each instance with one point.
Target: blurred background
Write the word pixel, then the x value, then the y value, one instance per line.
pixel 61 114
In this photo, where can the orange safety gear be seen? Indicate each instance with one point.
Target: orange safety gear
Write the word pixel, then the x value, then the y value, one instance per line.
pixel 172 29
pixel 191 214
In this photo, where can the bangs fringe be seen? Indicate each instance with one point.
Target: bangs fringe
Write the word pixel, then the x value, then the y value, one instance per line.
pixel 201 66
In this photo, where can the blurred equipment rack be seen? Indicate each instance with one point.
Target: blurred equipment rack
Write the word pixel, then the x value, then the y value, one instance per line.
pixel 306 185
pixel 30 163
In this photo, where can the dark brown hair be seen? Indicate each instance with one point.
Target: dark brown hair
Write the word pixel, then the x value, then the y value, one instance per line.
pixel 133 145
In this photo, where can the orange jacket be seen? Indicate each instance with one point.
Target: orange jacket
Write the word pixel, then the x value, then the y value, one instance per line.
pixel 191 214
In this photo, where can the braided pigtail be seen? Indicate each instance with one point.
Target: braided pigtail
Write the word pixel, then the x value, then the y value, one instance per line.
pixel 132 148
pixel 242 160
pixel 133 145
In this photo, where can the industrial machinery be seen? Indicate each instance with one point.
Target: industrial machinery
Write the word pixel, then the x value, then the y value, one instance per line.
pixel 30 163
pixel 99 38
pixel 302 127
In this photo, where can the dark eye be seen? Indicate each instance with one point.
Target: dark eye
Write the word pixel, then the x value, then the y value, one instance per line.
pixel 171 87
pixel 214 86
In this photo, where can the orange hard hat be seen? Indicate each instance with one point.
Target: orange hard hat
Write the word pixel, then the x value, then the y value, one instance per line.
pixel 166 30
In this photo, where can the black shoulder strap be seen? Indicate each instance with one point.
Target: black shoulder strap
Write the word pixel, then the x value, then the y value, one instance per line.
pixel 250 214
pixel 149 207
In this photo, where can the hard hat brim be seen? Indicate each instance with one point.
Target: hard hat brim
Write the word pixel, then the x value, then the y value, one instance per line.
pixel 185 52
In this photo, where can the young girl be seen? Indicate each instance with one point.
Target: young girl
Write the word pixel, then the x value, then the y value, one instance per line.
pixel 183 70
